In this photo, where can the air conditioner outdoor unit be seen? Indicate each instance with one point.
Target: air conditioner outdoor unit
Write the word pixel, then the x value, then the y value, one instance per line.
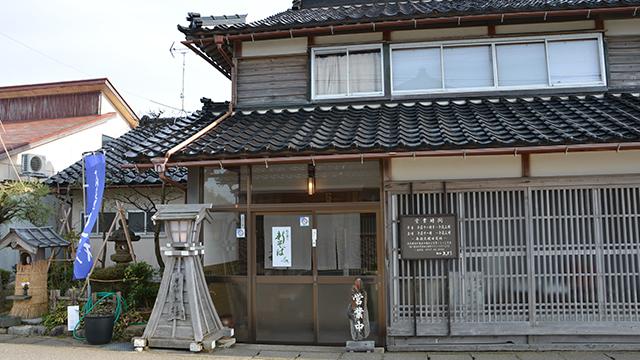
pixel 33 165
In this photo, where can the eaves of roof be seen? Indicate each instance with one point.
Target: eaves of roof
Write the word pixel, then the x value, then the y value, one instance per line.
pixel 461 124
pixel 102 85
pixel 22 135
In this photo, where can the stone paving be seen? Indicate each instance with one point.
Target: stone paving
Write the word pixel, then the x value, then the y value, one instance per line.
pixel 41 347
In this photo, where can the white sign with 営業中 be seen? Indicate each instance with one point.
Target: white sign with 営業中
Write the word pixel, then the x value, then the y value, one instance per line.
pixel 281 246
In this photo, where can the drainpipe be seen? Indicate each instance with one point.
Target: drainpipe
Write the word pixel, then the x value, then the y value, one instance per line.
pixel 160 163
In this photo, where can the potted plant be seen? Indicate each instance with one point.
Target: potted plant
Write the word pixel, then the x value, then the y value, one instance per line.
pixel 98 323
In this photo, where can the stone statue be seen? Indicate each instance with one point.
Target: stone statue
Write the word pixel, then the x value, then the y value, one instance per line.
pixel 358 313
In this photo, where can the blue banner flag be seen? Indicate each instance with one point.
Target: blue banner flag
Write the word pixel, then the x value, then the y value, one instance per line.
pixel 94 169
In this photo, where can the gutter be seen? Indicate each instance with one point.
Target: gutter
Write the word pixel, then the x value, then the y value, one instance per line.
pixel 393 155
pixel 160 164
pixel 408 24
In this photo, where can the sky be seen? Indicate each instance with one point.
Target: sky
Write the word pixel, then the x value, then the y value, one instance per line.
pixel 127 41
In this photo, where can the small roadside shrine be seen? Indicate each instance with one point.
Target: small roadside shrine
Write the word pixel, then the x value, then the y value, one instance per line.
pixel 37 247
pixel 183 316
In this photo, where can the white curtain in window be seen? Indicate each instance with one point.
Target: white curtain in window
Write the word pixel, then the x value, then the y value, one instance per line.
pixel 331 74
pixel 339 239
pixel 574 62
pixel 416 69
pixel 468 67
pixel 522 64
pixel 365 72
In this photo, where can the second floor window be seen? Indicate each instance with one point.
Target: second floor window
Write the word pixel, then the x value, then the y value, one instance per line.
pixel 524 63
pixel 347 72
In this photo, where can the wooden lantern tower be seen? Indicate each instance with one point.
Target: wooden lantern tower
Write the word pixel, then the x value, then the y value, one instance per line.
pixel 183 316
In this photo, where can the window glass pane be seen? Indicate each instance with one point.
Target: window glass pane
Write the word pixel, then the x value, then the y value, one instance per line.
pixel 468 67
pixel 82 222
pixel 279 183
pixel 335 182
pixel 285 313
pixel 346 244
pixel 365 72
pixel 521 64
pixel 230 300
pixel 104 221
pixel 151 227
pixel 296 245
pixel 223 186
pixel 416 69
pixel 224 253
pixel 349 181
pixel 574 62
pixel 331 74
pixel 136 222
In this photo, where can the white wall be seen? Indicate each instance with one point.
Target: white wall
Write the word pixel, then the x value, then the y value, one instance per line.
pixel 348 39
pixel 453 168
pixel 545 27
pixel 622 27
pixel 145 248
pixel 586 163
pixel 435 34
pixel 63 152
pixel 274 47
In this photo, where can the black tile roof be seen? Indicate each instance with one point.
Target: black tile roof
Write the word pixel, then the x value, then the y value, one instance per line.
pixel 334 12
pixel 158 135
pixel 43 237
pixel 433 125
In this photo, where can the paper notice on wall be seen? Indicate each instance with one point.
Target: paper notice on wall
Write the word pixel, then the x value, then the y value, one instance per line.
pixel 73 316
pixel 281 246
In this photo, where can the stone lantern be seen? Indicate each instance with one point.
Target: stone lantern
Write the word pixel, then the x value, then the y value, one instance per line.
pixel 122 253
pixel 183 316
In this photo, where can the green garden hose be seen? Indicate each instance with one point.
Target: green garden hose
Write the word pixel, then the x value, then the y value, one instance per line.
pixel 121 305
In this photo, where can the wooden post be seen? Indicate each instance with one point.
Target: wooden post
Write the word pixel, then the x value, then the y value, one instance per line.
pixel 125 228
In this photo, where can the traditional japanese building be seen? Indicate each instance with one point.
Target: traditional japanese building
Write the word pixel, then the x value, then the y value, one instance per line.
pixel 519 121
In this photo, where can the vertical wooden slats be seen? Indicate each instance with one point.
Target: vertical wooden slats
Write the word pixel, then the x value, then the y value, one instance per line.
pixel 536 256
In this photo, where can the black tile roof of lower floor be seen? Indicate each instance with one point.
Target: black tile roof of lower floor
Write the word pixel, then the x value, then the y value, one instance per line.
pixel 419 126
pixel 158 134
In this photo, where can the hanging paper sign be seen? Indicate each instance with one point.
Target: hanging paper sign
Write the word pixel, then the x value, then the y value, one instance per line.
pixel 281 246
pixel 73 317
pixel 94 166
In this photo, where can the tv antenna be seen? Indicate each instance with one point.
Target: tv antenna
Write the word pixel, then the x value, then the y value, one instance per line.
pixel 182 51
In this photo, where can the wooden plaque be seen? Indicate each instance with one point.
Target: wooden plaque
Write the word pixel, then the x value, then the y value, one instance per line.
pixel 429 237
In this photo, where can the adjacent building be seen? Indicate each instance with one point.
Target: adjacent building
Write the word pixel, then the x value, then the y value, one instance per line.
pixel 519 120
pixel 139 192
pixel 44 128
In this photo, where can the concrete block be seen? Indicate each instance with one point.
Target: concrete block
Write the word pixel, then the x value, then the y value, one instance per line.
pixel 3 331
pixel 450 356
pixel 494 356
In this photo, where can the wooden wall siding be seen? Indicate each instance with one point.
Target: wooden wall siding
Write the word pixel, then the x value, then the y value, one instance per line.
pixel 533 260
pixel 624 60
pixel 281 80
pixel 49 106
